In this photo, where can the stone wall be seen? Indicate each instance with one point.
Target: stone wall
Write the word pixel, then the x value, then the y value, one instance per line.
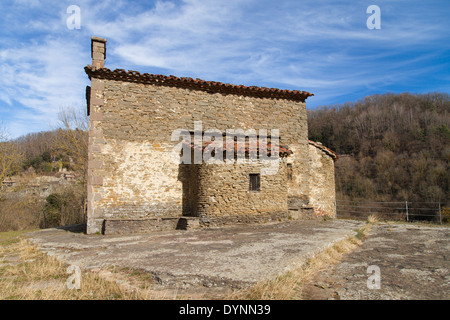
pixel 322 181
pixel 147 113
pixel 131 170
pixel 134 180
pixel 223 190
pixel 136 225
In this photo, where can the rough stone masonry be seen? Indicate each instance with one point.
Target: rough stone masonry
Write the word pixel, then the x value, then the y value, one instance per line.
pixel 135 184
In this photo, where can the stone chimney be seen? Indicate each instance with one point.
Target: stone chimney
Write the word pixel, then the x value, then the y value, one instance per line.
pixel 98 52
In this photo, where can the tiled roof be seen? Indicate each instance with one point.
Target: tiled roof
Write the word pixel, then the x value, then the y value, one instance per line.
pixel 283 151
pixel 319 145
pixel 195 84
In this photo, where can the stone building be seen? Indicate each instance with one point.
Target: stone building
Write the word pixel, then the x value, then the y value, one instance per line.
pixel 142 126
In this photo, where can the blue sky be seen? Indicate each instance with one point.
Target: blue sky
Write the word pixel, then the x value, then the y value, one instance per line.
pixel 323 47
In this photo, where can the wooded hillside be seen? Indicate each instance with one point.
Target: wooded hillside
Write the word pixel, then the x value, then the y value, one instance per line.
pixel 392 147
pixel 43 175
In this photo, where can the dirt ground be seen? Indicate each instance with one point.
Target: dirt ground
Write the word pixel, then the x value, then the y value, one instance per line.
pixel 413 261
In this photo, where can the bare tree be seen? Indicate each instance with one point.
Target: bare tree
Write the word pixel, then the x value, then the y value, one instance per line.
pixel 10 156
pixel 72 137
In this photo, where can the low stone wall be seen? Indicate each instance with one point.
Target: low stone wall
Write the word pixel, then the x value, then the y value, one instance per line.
pixel 146 225
pixel 126 226
pixel 218 221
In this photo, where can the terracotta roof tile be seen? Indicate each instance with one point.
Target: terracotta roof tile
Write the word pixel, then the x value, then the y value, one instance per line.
pixel 319 145
pixel 197 84
pixel 283 151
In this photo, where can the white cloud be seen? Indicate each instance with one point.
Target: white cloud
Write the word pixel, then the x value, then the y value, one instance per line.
pixel 248 38
pixel 41 77
pixel 28 3
pixel 322 47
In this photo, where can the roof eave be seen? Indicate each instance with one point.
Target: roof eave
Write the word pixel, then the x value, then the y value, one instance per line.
pixel 196 84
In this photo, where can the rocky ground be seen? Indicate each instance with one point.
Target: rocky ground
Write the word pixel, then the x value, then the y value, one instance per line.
pixel 196 263
pixel 412 259
pixel 413 262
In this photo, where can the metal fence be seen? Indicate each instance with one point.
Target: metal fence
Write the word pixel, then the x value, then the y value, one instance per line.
pixel 406 211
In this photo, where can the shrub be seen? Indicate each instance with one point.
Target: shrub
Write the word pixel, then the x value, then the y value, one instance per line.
pixel 64 207
pixel 19 213
pixel 446 214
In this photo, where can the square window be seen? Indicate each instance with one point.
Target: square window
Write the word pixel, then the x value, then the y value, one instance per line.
pixel 254 184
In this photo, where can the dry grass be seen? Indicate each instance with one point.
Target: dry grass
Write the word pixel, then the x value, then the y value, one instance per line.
pixel 28 274
pixel 289 286
pixel 372 219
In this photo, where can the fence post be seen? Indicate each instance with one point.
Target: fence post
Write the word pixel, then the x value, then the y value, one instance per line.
pixel 440 214
pixel 335 208
pixel 406 205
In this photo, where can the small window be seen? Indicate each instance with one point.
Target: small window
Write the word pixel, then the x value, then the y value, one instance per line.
pixel 254 182
pixel 289 171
